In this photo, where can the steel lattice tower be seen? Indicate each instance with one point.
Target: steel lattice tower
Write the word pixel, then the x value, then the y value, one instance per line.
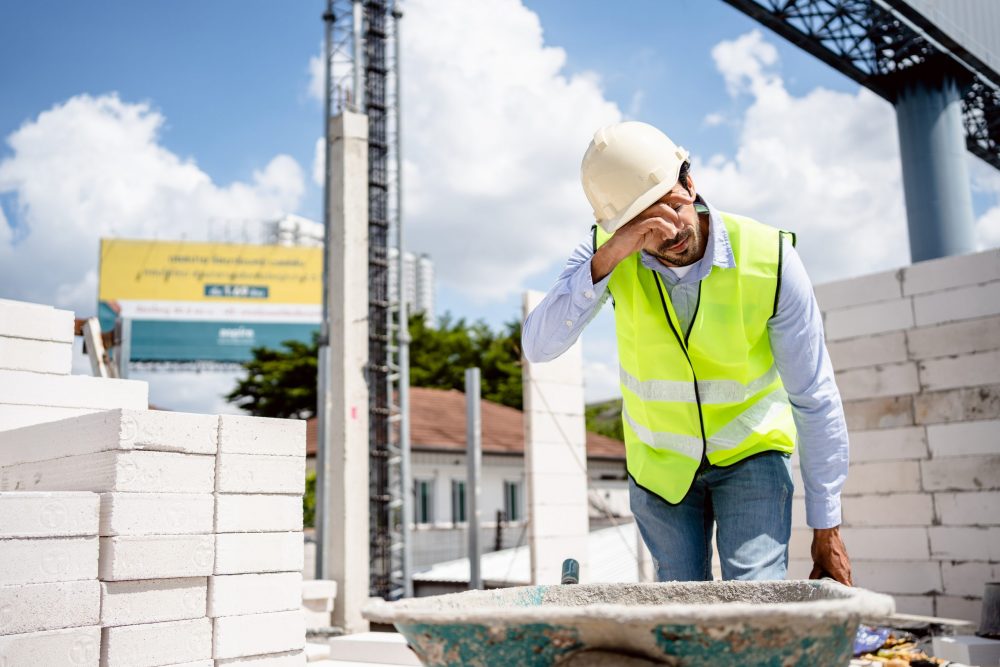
pixel 364 79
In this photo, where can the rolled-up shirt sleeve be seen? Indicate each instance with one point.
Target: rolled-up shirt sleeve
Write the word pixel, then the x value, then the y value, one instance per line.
pixel 555 323
pixel 802 360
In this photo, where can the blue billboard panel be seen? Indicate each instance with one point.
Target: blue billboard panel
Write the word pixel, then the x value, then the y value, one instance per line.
pixel 167 340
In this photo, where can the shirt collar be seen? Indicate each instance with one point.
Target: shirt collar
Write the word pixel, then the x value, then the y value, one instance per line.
pixel 718 251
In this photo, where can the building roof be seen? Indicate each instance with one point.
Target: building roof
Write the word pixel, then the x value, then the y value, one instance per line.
pixel 437 423
pixel 612 557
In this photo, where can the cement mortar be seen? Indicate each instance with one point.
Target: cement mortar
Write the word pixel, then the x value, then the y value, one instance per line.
pixel 701 623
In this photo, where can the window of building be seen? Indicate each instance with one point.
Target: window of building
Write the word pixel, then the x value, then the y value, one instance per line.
pixel 423 506
pixel 512 501
pixel 458 501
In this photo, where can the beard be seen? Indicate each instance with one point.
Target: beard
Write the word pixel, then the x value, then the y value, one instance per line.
pixel 688 254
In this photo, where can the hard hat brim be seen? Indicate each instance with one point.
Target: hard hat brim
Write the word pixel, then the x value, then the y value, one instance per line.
pixel 641 203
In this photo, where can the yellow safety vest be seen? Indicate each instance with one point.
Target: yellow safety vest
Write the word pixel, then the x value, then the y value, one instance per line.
pixel 711 392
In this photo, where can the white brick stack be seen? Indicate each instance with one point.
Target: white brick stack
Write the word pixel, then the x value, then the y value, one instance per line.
pixel 50 599
pixel 917 355
pixel 155 475
pixel 255 592
pixel 35 361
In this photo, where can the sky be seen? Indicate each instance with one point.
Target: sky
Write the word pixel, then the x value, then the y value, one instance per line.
pixel 195 120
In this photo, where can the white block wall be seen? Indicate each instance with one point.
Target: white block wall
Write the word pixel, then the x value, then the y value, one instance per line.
pixel 917 355
pixel 555 460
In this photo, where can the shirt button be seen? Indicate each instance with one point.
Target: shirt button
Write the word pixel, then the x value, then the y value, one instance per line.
pixel 569 323
pixel 589 294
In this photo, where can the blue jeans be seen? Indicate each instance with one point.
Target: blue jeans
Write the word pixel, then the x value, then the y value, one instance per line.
pixel 749 502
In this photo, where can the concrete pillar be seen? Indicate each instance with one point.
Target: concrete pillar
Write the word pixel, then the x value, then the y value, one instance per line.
pixel 935 176
pixel 345 542
pixel 555 459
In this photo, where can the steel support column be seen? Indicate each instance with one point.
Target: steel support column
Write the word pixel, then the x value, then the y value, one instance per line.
pixel 935 176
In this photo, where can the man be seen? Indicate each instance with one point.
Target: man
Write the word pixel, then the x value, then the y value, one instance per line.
pixel 723 365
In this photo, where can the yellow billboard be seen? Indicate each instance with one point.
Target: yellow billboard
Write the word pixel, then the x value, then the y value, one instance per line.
pixel 183 271
pixel 208 301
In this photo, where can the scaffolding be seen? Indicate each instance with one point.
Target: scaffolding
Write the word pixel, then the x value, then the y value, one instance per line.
pixel 364 78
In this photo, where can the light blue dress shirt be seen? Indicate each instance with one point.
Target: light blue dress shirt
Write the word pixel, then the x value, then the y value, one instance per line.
pixel 797 343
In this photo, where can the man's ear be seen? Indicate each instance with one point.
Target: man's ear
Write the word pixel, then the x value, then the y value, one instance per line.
pixel 691 188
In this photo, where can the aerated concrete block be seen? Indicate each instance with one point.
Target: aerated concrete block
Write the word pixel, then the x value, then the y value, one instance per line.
pixel 240 434
pixel 37 356
pixel 156 430
pixel 878 381
pixel 72 647
pixel 963 438
pixel 20 319
pixel 37 607
pixel 47 559
pixel 237 594
pixel 156 644
pixel 882 286
pixel 943 340
pixel 865 320
pixel 157 513
pixel 384 647
pixel 153 600
pixel 946 272
pixel 284 659
pixel 48 514
pixel 958 304
pixel 260 473
pixel 19 416
pixel 239 553
pixel 255 513
pixel 138 471
pixel 257 634
pixel 319 589
pixel 72 391
pixel 970 370
pixel 156 556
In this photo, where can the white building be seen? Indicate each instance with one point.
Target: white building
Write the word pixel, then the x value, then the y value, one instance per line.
pixel 418 270
pixel 418 281
pixel 437 429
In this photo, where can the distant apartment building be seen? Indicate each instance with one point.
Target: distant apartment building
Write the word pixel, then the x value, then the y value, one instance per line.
pixel 418 281
pixel 418 269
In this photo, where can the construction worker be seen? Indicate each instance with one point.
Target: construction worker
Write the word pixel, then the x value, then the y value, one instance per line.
pixel 723 365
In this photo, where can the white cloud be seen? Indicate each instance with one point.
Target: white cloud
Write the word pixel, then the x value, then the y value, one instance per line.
pixel 493 136
pixel 93 167
pixel 635 104
pixel 714 119
pixel 825 165
pixel 317 71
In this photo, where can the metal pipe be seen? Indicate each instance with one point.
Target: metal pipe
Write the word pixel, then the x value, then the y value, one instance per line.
pixel 324 467
pixel 474 460
pixel 405 470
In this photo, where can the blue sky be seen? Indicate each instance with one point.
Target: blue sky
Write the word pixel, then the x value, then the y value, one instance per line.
pixel 163 119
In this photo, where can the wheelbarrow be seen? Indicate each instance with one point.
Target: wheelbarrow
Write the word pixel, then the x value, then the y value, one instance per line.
pixel 690 624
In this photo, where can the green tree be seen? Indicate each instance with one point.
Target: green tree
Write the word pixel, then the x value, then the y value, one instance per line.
pixel 282 382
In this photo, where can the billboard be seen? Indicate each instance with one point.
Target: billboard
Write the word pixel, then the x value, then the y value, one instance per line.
pixel 189 301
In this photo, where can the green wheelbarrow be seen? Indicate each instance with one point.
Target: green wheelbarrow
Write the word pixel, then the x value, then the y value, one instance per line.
pixel 696 624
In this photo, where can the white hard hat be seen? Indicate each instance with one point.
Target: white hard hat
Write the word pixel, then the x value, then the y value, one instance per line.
pixel 627 167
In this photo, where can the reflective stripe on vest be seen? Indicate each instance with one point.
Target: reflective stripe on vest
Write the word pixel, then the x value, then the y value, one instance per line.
pixel 711 392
